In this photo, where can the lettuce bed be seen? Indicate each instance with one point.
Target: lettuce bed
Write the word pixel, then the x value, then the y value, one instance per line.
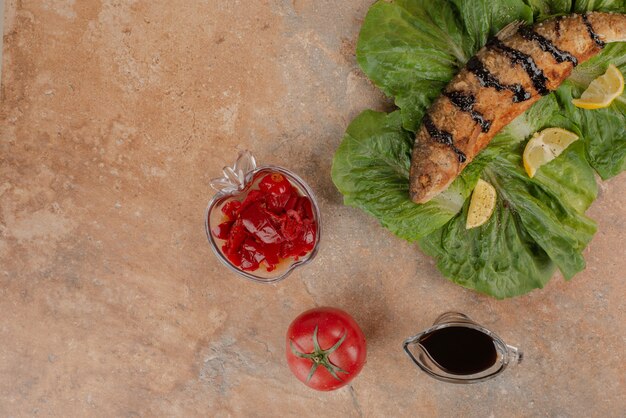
pixel 411 49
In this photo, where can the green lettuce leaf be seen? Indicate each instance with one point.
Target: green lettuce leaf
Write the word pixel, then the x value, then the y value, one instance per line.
pixel 603 130
pixel 538 224
pixel 581 6
pixel 554 224
pixel 482 19
pixel 545 8
pixel 530 233
pixel 371 170
pixel 499 258
pixel 412 48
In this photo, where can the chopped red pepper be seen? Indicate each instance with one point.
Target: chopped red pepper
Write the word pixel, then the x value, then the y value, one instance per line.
pixel 222 231
pixel 292 202
pixel 270 224
pixel 235 238
pixel 307 239
pixel 270 251
pixel 233 257
pixel 259 224
pixel 252 197
pixel 291 227
pixel 305 208
pixel 231 208
pixel 277 203
pixel 251 254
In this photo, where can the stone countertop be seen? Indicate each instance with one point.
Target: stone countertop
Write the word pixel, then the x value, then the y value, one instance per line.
pixel 115 115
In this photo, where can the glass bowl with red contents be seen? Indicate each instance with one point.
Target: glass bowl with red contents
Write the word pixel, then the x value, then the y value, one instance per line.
pixel 264 222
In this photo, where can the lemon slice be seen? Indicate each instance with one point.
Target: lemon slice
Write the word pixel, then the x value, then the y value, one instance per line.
pixel 482 204
pixel 603 90
pixel 545 146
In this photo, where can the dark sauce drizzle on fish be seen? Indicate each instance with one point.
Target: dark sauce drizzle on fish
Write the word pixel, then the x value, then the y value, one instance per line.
pixel 592 34
pixel 559 55
pixel 443 137
pixel 535 73
pixel 466 102
pixel 557 25
pixel 475 66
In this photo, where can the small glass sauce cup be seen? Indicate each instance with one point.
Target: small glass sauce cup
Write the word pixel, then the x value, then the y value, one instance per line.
pixel 237 181
pixel 506 355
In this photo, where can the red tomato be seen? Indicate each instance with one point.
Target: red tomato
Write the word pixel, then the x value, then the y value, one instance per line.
pixel 326 349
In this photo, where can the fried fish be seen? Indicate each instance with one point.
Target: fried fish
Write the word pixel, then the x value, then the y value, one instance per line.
pixel 507 76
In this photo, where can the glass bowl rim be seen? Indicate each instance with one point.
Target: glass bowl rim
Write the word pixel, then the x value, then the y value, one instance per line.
pixel 218 197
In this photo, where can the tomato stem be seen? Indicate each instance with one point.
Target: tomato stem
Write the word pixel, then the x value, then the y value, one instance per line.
pixel 319 357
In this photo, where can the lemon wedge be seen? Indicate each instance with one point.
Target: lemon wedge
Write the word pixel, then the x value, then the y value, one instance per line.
pixel 544 147
pixel 482 204
pixel 603 90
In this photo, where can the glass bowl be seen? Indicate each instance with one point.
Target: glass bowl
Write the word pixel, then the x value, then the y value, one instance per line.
pixel 235 184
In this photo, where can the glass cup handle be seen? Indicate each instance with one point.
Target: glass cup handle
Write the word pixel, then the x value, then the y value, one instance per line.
pixel 451 316
pixel 514 355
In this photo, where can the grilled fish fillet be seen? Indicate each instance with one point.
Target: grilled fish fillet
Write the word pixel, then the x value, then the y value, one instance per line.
pixel 499 83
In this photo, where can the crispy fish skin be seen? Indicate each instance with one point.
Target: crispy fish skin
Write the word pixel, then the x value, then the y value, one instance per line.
pixel 499 83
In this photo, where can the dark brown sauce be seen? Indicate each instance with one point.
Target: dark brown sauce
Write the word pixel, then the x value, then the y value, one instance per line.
pixel 535 73
pixel 557 25
pixel 443 137
pixel 466 102
pixel 559 55
pixel 592 34
pixel 460 350
pixel 475 66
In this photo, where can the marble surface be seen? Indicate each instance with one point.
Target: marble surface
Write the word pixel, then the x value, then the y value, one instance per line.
pixel 115 115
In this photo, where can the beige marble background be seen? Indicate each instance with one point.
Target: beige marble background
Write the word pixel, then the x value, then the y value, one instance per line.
pixel 114 116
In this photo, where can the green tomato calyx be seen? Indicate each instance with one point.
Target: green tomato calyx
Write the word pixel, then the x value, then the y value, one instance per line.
pixel 319 357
